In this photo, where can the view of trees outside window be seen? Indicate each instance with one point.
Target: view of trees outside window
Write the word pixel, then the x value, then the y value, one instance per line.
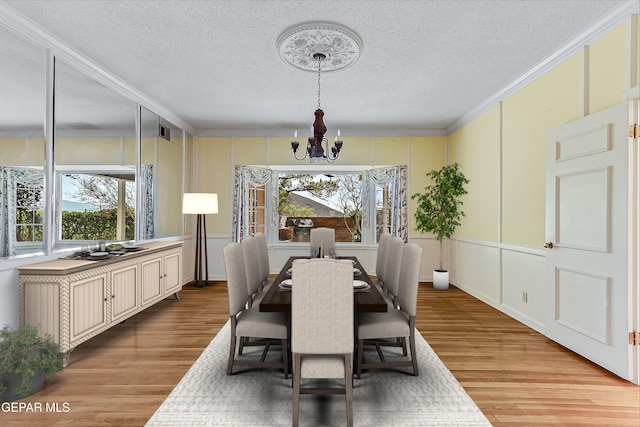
pixel 91 208
pixel 29 218
pixel 306 201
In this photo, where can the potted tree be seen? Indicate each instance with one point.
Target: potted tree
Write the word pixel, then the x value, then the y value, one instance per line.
pixel 439 210
pixel 26 359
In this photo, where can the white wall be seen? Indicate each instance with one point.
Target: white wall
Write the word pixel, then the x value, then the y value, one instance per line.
pixel 506 277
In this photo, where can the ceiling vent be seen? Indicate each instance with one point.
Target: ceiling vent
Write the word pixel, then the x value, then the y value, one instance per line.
pixel 164 132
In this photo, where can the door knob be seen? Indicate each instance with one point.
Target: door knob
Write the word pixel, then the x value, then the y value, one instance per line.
pixel 548 245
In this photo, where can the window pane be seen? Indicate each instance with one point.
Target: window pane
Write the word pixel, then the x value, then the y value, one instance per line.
pixel 256 212
pixel 308 201
pixel 91 206
pixel 28 213
pixel 383 211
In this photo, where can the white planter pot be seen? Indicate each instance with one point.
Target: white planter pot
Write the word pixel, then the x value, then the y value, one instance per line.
pixel 440 279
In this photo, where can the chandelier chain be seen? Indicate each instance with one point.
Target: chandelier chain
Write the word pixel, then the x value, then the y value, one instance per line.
pixel 319 66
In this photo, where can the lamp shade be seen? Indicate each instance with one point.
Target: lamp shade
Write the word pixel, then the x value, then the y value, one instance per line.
pixel 199 203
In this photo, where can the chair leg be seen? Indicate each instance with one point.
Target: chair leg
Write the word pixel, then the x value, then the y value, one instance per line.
pixel 296 389
pixel 285 359
pixel 241 347
pixel 232 346
pixel 360 346
pixel 414 359
pixel 348 388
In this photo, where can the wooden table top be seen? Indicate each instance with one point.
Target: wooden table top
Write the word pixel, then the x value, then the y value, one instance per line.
pixel 276 300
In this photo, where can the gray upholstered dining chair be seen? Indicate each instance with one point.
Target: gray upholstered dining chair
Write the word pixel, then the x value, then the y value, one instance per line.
pixel 322 317
pixel 381 258
pixel 324 237
pixel 252 268
pixel 263 259
pixel 392 269
pixel 250 322
pixel 395 323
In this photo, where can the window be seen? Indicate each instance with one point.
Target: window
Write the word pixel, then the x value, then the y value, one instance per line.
pixel 256 208
pixel 313 200
pixel 359 204
pixel 29 218
pixel 97 205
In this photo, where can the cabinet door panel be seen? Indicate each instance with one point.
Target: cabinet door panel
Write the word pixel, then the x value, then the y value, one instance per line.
pixel 123 292
pixel 151 281
pixel 88 305
pixel 172 272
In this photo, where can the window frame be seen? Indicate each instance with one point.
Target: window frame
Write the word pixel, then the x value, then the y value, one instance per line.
pixel 58 242
pixel 368 232
pixel 33 209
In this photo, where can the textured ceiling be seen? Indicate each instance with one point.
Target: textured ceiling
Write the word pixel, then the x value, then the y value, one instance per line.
pixel 216 66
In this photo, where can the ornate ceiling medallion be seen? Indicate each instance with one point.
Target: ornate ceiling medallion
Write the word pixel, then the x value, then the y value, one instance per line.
pixel 302 45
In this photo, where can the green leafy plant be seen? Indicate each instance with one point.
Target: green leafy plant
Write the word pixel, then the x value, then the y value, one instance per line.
pixel 25 353
pixel 439 209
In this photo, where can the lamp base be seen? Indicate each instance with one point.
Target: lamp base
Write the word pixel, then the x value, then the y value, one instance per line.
pixel 201 283
pixel 200 278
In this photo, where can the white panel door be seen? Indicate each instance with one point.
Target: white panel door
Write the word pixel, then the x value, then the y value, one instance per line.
pixel 586 262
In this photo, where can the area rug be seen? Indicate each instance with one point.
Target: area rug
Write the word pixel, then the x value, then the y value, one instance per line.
pixel 207 396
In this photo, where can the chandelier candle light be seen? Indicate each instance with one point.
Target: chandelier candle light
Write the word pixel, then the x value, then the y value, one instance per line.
pixel 331 47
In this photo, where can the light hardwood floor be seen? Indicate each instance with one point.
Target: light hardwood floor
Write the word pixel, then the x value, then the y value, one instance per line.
pixel 516 376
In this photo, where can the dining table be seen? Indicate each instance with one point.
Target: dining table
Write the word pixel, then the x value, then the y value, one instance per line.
pixel 277 299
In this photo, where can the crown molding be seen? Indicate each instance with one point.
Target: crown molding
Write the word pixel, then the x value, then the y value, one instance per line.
pixel 344 132
pixel 618 15
pixel 41 37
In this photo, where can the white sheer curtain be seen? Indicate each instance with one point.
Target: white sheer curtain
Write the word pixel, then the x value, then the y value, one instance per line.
pixel 10 177
pixel 147 215
pixel 245 176
pixel 395 179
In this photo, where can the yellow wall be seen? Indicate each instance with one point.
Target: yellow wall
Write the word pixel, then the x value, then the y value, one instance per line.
pixel 215 175
pixel 607 69
pixel 520 129
pixel 548 102
pixel 250 151
pixel 356 150
pixel 168 181
pixel 215 157
pixel 425 154
pixel 21 152
pixel 390 151
pixel 504 149
pixel 95 151
pixel 478 150
pixel 280 152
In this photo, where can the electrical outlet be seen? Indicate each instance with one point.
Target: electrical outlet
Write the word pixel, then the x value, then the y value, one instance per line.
pixel 525 297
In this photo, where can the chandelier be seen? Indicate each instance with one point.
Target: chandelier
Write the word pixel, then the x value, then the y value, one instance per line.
pixel 319 47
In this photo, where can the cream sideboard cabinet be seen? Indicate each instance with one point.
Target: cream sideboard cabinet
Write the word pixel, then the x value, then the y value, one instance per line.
pixel 74 300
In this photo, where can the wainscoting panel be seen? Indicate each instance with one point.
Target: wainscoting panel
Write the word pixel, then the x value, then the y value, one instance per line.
pixel 215 243
pixel 430 255
pixel 524 293
pixel 188 258
pixel 477 270
pixel 496 274
pixel 508 278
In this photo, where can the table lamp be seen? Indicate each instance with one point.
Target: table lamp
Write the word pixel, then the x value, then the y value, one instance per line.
pixel 200 204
